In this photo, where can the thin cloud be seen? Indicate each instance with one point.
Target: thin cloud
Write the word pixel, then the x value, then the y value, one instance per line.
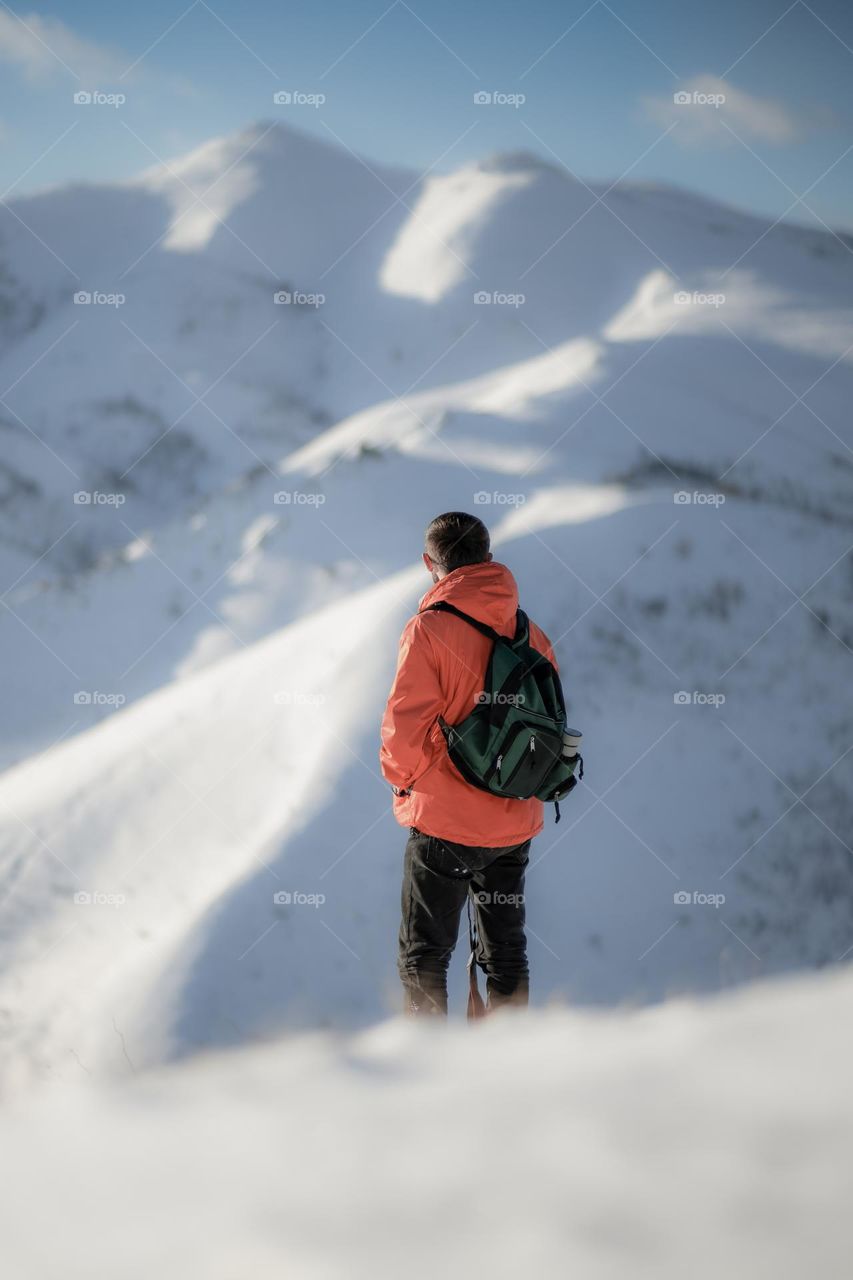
pixel 42 48
pixel 704 106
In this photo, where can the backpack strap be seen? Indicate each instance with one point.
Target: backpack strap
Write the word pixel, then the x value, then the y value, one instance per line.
pixel 521 623
pixel 476 1005
pixel 521 636
pixel 444 607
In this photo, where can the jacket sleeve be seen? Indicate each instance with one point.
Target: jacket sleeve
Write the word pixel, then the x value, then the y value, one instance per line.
pixel 414 703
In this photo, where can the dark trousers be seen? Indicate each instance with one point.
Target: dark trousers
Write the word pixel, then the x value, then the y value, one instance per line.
pixel 439 877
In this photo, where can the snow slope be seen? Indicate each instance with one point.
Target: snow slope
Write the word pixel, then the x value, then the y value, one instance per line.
pixel 278 465
pixel 184 402
pixel 697 1139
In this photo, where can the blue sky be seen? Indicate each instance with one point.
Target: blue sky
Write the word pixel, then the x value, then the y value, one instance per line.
pixel 399 78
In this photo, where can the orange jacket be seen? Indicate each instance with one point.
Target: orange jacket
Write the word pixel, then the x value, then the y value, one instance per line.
pixel 440 670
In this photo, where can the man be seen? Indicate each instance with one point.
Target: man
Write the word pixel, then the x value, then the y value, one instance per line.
pixel 462 840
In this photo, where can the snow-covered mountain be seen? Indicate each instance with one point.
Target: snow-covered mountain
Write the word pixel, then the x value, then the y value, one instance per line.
pixel 196 658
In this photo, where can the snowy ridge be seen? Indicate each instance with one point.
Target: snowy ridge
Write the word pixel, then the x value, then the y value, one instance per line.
pixel 140 874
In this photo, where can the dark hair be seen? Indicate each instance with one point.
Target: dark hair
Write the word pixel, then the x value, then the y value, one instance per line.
pixel 455 539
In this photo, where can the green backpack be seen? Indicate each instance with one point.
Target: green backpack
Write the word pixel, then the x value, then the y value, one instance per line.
pixel 512 742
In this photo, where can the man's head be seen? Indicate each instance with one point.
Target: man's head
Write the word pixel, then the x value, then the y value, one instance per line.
pixel 453 540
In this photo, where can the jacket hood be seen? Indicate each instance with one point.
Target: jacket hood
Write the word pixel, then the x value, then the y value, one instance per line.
pixel 488 592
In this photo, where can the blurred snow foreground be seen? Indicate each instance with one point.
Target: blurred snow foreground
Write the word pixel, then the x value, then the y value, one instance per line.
pixel 696 1139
